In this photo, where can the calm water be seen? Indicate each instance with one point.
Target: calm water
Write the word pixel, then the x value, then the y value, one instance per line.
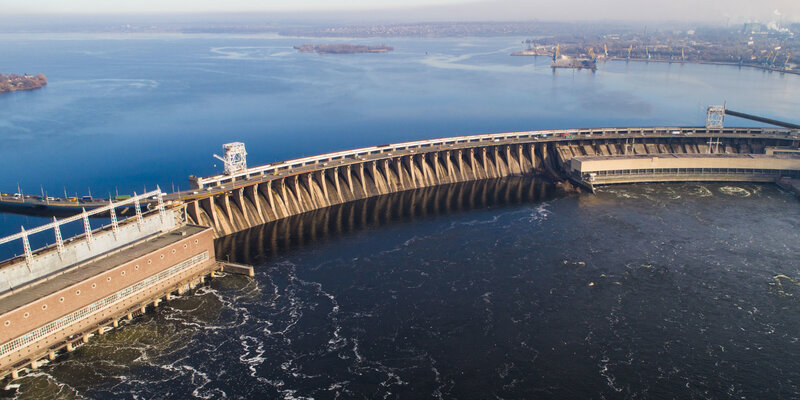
pixel 502 289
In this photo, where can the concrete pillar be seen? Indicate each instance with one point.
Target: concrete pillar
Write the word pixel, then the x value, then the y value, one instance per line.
pixel 100 330
pixel 363 180
pixel 423 164
pixel 416 179
pixel 399 169
pixel 376 177
pixel 15 374
pixel 51 355
pixel 451 174
pixel 461 171
pixel 156 302
pixel 115 323
pixel 143 309
pixel 196 210
pixel 249 220
pixel 387 173
pixel 70 347
pixel 287 202
pixel 169 295
pixel 350 179
pixel 323 182
pixel 85 338
pixel 312 193
pixel 228 212
pixel 130 316
pixel 338 186
pixel 271 198
pixel 298 195
pixel 213 211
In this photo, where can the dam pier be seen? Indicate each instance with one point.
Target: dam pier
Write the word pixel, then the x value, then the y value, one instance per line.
pixel 54 298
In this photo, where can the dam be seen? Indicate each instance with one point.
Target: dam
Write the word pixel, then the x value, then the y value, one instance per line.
pixel 59 296
pixel 253 196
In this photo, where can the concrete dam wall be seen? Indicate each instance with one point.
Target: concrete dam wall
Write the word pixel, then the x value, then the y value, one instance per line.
pixel 253 202
pixel 348 218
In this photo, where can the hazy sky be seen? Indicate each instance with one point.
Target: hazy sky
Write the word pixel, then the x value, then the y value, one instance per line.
pixel 733 11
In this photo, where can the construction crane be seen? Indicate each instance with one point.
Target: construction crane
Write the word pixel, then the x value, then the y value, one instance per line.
pixel 605 50
pixel 556 53
pixel 786 62
pixel 766 60
pixel 647 51
pixel 683 54
pixel 629 52
pixel 592 55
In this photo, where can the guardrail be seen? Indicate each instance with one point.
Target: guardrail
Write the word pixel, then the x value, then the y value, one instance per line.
pixel 56 224
pixel 266 169
pixel 85 214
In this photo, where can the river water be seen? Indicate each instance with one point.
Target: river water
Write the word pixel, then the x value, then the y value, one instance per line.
pixel 501 289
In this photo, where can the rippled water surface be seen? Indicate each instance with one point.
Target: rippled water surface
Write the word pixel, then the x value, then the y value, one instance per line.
pixel 648 291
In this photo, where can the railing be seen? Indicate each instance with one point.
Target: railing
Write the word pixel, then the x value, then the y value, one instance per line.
pixel 217 180
pixel 56 224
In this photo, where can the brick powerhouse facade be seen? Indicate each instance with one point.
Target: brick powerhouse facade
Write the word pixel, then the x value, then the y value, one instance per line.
pixel 77 303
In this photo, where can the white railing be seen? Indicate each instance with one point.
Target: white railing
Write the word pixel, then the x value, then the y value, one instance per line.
pixel 260 170
pixel 136 200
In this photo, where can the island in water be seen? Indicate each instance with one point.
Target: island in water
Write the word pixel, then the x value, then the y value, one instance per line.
pixel 342 48
pixel 13 82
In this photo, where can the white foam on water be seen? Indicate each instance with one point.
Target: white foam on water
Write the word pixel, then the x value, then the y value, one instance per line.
pixel 540 213
pixel 735 191
pixel 610 380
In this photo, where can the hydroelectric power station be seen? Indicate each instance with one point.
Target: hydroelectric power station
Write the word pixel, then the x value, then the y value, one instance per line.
pixel 54 298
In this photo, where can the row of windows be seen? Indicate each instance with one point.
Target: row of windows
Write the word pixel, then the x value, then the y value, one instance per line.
pixel 694 171
pixel 94 285
pixel 99 305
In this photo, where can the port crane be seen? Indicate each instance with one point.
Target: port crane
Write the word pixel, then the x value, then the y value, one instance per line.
pixel 556 52
pixel 629 52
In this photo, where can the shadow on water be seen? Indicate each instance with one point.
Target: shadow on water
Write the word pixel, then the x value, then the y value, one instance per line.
pixel 261 243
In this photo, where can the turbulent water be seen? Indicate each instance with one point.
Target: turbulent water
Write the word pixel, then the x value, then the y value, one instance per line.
pixel 499 290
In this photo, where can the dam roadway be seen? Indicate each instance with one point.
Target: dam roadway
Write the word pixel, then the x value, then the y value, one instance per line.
pixel 257 195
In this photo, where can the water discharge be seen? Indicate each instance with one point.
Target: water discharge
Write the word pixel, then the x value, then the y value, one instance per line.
pixel 480 291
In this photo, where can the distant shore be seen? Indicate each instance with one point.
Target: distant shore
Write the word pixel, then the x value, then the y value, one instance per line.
pixel 731 64
pixel 342 48
pixel 14 82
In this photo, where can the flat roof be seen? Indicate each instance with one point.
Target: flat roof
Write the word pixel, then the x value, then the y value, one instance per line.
pixel 781 156
pixel 59 281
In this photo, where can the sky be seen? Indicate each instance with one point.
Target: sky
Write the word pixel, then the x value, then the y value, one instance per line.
pixel 731 11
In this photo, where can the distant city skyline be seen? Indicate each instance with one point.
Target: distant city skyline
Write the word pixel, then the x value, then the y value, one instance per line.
pixel 725 11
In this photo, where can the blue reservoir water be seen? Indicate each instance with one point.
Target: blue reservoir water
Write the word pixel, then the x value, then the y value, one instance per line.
pixel 644 291
pixel 121 113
